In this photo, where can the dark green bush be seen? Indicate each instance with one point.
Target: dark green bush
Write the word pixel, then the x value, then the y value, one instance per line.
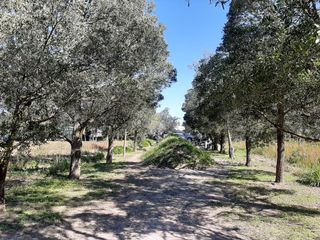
pixel 311 177
pixel 119 150
pixel 174 152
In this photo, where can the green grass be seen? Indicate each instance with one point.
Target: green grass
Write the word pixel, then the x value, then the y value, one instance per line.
pixel 265 209
pixel 174 152
pixel 311 176
pixel 119 150
pixel 33 196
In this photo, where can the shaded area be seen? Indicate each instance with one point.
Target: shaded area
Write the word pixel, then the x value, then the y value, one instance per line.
pixel 151 203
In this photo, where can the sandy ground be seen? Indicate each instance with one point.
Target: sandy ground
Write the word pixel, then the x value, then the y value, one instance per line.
pixel 153 204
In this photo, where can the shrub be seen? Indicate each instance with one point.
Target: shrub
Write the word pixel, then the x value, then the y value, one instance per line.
pixel 119 150
pixel 59 167
pixel 146 143
pixel 174 152
pixel 93 159
pixel 311 177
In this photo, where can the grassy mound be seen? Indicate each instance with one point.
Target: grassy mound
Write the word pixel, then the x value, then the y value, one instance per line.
pixel 174 152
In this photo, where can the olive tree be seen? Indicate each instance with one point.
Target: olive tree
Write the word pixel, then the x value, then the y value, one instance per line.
pixel 36 42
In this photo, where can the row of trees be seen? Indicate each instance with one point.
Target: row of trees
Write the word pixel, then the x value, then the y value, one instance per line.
pixel 263 81
pixel 76 64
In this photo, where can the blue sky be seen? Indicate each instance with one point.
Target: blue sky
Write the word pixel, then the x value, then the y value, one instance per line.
pixel 191 33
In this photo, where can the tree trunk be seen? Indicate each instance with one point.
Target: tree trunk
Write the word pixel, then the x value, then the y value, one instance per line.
pixel 222 143
pixel 110 149
pixel 4 162
pixel 215 143
pixel 280 144
pixel 124 144
pixel 76 145
pixel 231 148
pixel 248 151
pixel 135 142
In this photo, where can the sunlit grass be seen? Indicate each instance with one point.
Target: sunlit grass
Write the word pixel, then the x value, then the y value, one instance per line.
pixel 302 153
pixel 33 196
pixel 63 148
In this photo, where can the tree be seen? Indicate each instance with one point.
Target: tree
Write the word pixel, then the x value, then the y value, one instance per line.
pixel 281 59
pixel 36 39
pixel 124 43
pixel 162 123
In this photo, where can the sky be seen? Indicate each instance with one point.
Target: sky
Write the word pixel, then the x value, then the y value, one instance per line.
pixel 192 33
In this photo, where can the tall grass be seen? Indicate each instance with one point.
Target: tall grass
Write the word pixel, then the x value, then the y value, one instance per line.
pixel 52 148
pixel 302 154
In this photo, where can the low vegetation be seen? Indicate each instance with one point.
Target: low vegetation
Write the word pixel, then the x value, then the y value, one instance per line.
pixel 262 209
pixel 36 196
pixel 303 156
pixel 174 152
pixel 300 153
pixel 62 148
pixel 119 150
pixel 146 143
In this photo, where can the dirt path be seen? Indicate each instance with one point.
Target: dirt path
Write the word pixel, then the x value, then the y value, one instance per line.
pixel 131 201
pixel 152 204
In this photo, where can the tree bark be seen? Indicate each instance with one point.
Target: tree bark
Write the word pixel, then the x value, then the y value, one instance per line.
pixel 231 148
pixel 76 145
pixel 248 151
pixel 110 149
pixel 135 141
pixel 4 162
pixel 280 144
pixel 222 143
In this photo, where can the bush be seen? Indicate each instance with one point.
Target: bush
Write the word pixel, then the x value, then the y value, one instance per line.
pixel 174 152
pixel 311 177
pixel 93 159
pixel 59 167
pixel 119 150
pixel 146 143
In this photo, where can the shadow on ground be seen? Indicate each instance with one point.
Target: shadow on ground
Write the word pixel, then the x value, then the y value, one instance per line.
pixel 161 204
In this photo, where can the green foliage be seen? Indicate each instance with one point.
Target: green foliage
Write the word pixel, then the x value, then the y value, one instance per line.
pixel 94 159
pixel 119 150
pixel 174 152
pixel 58 167
pixel 311 177
pixel 146 143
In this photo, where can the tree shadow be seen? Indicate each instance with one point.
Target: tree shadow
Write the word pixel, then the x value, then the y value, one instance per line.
pixel 163 204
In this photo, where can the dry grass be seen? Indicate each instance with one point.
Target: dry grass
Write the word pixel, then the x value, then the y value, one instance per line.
pixel 302 153
pixel 53 148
